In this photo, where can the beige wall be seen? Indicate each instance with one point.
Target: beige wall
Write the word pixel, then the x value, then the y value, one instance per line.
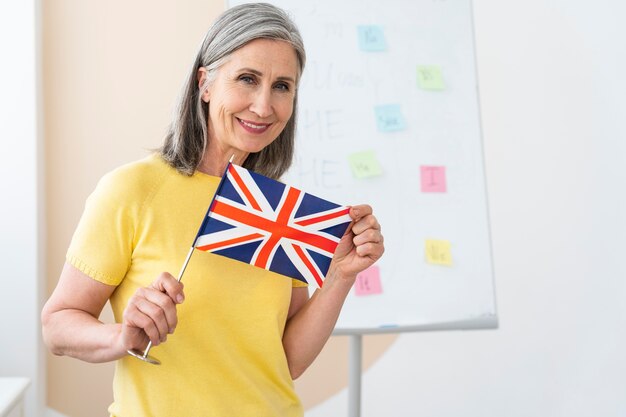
pixel 111 73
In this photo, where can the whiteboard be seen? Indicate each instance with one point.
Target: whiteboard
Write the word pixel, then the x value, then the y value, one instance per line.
pixel 389 115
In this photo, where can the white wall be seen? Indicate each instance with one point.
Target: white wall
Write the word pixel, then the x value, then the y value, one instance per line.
pixel 552 77
pixel 21 353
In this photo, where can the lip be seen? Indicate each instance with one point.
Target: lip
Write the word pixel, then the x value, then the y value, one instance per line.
pixel 253 127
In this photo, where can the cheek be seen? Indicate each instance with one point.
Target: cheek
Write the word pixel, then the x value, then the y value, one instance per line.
pixel 232 99
pixel 285 111
pixel 236 101
pixel 221 111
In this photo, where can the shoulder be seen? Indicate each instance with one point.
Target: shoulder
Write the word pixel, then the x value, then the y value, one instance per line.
pixel 138 174
pixel 135 180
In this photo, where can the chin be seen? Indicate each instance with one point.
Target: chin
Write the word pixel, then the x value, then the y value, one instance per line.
pixel 253 147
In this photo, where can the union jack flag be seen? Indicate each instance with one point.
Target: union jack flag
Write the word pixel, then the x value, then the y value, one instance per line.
pixel 268 224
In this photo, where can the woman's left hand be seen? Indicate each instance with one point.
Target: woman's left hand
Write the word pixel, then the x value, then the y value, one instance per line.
pixel 360 246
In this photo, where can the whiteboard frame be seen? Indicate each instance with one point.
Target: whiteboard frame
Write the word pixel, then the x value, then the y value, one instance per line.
pixel 488 320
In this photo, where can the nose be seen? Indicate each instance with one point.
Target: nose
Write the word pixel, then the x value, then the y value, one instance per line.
pixel 262 103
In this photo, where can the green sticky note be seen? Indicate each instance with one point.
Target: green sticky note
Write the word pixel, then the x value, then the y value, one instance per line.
pixel 365 165
pixel 429 77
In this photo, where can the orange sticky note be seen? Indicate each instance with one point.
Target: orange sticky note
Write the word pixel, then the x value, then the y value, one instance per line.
pixel 368 282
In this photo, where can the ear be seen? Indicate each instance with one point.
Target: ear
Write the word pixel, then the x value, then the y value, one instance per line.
pixel 202 76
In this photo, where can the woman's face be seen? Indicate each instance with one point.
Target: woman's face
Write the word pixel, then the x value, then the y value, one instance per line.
pixel 251 98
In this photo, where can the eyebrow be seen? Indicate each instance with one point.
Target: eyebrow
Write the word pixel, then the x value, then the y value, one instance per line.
pixel 260 74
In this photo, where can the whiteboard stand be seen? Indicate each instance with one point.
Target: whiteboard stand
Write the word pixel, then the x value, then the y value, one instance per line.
pixel 355 348
pixel 355 362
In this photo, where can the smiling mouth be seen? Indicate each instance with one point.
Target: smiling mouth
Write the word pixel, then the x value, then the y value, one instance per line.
pixel 253 127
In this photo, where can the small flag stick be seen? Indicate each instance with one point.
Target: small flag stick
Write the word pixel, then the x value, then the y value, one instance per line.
pixel 144 355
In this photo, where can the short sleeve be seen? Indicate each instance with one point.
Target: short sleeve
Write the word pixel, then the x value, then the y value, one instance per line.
pixel 296 283
pixel 102 244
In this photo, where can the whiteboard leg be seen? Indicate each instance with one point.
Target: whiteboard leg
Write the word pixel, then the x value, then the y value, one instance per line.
pixel 354 375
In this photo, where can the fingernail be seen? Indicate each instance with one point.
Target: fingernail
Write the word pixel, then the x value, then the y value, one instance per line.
pixel 180 298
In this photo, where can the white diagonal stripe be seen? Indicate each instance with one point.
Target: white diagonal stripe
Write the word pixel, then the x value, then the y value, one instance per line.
pixel 253 188
pixel 291 253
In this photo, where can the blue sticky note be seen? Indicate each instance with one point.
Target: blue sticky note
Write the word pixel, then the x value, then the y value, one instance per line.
pixel 389 118
pixel 372 38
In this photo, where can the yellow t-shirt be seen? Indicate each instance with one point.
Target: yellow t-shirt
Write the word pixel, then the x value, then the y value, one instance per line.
pixel 226 356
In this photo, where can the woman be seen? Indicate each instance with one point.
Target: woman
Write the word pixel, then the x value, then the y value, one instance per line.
pixel 238 335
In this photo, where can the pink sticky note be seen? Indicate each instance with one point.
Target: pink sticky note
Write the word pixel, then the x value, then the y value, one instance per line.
pixel 368 282
pixel 433 179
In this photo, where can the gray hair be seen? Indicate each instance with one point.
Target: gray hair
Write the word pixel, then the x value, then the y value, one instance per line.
pixel 187 136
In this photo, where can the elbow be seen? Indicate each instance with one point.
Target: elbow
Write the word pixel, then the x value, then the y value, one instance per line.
pixel 47 333
pixel 295 362
pixel 297 365
pixel 296 371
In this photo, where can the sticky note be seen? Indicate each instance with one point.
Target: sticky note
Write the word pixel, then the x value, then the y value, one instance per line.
pixel 429 77
pixel 438 252
pixel 368 282
pixel 433 179
pixel 371 38
pixel 389 118
pixel 364 164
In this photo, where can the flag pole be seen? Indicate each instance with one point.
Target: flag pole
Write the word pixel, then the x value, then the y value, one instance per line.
pixel 144 355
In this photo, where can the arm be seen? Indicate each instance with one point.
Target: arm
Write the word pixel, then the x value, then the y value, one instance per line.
pixel 70 322
pixel 311 321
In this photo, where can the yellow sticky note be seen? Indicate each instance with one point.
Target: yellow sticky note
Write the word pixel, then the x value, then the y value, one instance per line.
pixel 438 252
pixel 429 77
pixel 365 165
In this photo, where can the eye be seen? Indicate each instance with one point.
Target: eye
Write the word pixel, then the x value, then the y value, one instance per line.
pixel 283 86
pixel 247 79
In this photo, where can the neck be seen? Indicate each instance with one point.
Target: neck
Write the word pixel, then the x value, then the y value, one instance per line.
pixel 214 161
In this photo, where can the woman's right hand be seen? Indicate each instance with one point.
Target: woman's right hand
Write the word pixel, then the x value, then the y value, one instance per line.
pixel 151 313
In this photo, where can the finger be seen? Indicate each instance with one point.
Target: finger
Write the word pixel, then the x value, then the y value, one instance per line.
pixel 365 223
pixel 369 235
pixel 359 211
pixel 166 305
pixel 166 283
pixel 153 310
pixel 133 317
pixel 371 250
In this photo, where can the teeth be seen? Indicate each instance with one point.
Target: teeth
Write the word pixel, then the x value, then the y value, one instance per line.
pixel 259 127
